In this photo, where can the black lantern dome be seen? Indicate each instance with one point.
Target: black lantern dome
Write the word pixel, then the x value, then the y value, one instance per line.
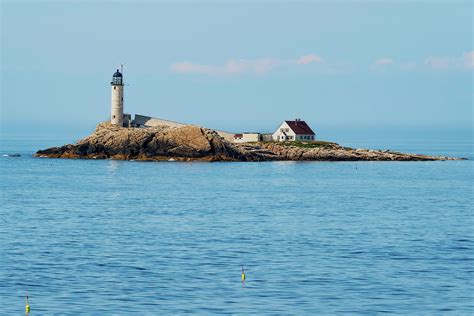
pixel 117 78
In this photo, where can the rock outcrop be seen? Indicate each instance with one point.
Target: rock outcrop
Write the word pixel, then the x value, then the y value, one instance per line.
pixel 196 143
pixel 335 152
pixel 156 143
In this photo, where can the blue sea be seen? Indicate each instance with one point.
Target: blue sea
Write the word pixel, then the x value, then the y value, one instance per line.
pixel 105 237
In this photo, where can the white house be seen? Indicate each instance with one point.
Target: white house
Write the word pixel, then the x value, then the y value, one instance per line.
pixel 296 130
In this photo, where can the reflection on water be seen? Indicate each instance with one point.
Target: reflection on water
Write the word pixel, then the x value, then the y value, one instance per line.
pixel 112 165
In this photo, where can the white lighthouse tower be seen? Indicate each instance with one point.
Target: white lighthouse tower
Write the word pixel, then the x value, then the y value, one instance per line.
pixel 116 115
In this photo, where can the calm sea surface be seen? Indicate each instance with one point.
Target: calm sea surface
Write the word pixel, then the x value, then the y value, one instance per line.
pixel 113 237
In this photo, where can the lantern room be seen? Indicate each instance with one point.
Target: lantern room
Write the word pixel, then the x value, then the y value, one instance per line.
pixel 117 79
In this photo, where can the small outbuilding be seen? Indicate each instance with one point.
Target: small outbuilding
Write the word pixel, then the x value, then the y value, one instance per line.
pixel 247 137
pixel 296 130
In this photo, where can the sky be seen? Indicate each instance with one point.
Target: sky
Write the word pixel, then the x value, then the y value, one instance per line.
pixel 343 66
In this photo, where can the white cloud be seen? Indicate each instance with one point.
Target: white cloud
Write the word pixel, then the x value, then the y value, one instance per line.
pixel 232 67
pixel 465 61
pixel 443 62
pixel 307 59
pixel 469 59
pixel 242 66
pixel 263 66
pixel 384 61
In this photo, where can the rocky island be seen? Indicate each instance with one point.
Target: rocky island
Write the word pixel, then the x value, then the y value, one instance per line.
pixel 194 143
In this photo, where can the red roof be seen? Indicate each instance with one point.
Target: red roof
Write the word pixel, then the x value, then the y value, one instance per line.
pixel 300 127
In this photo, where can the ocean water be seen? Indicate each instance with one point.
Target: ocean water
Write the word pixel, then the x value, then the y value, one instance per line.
pixel 141 238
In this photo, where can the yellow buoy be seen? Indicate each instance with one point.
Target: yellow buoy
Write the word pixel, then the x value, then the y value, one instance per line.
pixel 243 274
pixel 27 307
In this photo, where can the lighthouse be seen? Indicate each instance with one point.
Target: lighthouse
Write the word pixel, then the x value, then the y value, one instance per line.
pixel 116 115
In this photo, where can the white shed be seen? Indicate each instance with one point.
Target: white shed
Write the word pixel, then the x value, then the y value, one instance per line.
pixel 247 137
